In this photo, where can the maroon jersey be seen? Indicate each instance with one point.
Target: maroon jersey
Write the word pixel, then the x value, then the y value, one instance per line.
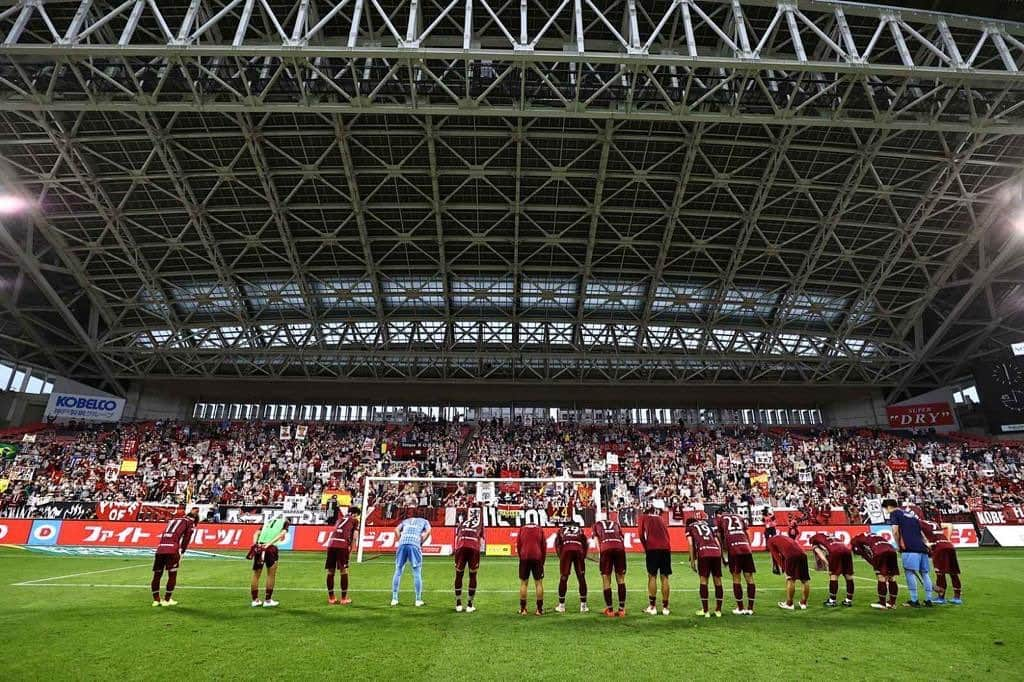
pixel 608 535
pixel 830 543
pixel 732 529
pixel 785 547
pixel 794 530
pixel 571 538
pixel 934 534
pixel 703 540
pixel 530 543
pixel 176 535
pixel 470 534
pixel 654 532
pixel 343 534
pixel 869 545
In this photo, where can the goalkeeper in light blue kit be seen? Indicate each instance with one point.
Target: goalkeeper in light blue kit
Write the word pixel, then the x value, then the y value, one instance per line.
pixel 412 533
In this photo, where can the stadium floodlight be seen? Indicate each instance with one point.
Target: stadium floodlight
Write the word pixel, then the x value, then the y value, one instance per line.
pixel 12 204
pixel 594 485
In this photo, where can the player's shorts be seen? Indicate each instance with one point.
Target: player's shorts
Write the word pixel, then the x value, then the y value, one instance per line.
pixel 337 557
pixel 408 554
pixel 659 561
pixel 467 556
pixel 887 564
pixel 741 563
pixel 267 557
pixel 796 568
pixel 945 561
pixel 917 561
pixel 531 567
pixel 166 562
pixel 572 559
pixel 612 561
pixel 840 564
pixel 709 566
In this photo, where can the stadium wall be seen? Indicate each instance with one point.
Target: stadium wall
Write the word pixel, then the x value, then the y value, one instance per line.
pixel 868 411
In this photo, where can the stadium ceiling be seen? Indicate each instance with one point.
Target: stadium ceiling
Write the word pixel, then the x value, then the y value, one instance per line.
pixel 617 192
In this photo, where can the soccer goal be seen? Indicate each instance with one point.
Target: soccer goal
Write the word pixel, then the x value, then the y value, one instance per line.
pixel 505 502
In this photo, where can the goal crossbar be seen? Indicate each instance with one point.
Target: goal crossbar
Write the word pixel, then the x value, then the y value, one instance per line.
pixel 596 482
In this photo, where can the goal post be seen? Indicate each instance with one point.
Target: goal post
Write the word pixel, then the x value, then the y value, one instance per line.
pixel 470 481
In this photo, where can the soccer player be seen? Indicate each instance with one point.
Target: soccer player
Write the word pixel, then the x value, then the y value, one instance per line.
pixel 532 550
pixel 658 553
pixel 412 533
pixel 264 553
pixel 571 545
pixel 915 550
pixel 612 547
pixel 732 533
pixel 706 561
pixel 788 554
pixel 469 543
pixel 173 543
pixel 339 545
pixel 880 553
pixel 944 557
pixel 837 556
pixel 770 531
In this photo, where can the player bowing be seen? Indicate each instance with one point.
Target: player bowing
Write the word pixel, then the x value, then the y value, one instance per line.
pixel 706 561
pixel 469 543
pixel 531 550
pixel 264 554
pixel 788 554
pixel 173 543
pixel 612 547
pixel 878 552
pixel 732 533
pixel 835 555
pixel 944 558
pixel 571 546
pixel 658 554
pixel 339 546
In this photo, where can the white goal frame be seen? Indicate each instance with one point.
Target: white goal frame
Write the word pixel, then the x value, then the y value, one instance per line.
pixel 596 482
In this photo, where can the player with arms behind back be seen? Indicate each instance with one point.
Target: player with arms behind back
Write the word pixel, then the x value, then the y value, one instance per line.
pixel 788 554
pixel 173 543
pixel 658 554
pixel 944 558
pixel 836 555
pixel 732 532
pixel 571 545
pixel 339 546
pixel 469 543
pixel 880 553
pixel 532 550
pixel 612 547
pixel 706 561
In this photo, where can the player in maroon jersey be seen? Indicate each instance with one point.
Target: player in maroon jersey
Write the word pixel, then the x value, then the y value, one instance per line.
pixel 612 546
pixel 469 543
pixel 706 561
pixel 770 530
pixel 732 533
pixel 793 531
pixel 837 556
pixel 788 554
pixel 339 546
pixel 658 554
pixel 531 549
pixel 944 558
pixel 571 545
pixel 884 560
pixel 173 542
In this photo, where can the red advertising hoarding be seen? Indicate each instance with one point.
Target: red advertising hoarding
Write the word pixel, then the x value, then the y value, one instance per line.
pixel 917 416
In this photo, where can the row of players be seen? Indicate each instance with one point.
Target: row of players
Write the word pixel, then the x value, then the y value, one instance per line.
pixel 723 540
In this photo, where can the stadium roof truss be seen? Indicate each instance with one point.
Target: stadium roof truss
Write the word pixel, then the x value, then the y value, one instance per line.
pixel 695 191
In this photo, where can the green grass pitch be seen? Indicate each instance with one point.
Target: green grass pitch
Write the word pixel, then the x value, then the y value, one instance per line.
pixel 90 618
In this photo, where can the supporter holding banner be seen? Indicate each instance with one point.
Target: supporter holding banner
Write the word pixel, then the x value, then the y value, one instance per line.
pixel 611 461
pixel 300 432
pixel 66 510
pixel 285 432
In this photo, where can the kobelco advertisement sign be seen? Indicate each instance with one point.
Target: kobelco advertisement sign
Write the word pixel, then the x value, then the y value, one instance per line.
pixel 87 407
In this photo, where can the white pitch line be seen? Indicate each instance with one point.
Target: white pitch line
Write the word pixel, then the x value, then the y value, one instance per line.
pixel 43 581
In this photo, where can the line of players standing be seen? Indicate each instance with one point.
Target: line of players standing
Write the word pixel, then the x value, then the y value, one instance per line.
pixel 723 540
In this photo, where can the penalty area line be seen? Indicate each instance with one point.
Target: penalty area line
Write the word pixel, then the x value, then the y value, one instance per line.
pixel 46 581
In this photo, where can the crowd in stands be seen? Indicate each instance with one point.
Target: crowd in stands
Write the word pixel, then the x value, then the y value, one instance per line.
pixel 250 464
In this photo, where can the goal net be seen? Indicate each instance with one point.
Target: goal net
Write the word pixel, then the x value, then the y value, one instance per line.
pixel 505 503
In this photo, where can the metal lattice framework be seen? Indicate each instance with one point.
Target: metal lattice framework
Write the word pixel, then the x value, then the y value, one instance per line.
pixel 675 191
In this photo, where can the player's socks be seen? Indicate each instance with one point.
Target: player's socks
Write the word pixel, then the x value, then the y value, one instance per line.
pixel 458 588
pixel 472 586
pixel 255 594
pixel 154 585
pixel 563 586
pixel 540 606
pixel 622 596
pixel 704 598
pixel 940 585
pixel 849 589
pixel 270 593
pixel 751 591
pixel 172 580
pixel 651 599
pixel 719 596
pixel 737 592
pixel 955 579
pixel 883 590
pixel 156 594
pixel 833 589
pixel 664 603
pixel 522 605
pixel 417 582
pixel 583 586
pixel 344 585
pixel 608 598
pixel 894 591
pixel 330 586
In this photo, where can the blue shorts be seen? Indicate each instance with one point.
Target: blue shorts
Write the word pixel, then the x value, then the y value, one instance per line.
pixel 917 561
pixel 408 554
